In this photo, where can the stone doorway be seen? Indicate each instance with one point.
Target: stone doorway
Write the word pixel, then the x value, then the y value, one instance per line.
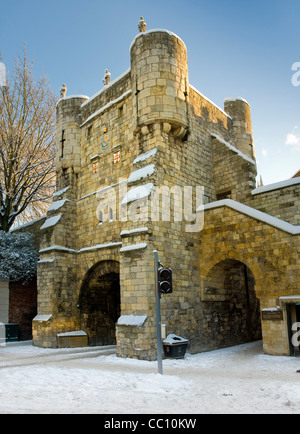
pixel 231 308
pixel 99 303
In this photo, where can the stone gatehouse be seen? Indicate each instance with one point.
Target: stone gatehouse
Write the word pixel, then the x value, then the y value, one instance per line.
pixel 149 163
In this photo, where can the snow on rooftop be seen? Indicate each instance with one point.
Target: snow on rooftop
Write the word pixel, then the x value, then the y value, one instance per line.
pixel 51 221
pixel 254 213
pixel 276 186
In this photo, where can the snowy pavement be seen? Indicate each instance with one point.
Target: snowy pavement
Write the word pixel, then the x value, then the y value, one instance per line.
pixel 239 379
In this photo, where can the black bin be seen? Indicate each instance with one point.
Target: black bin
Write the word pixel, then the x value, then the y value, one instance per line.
pixel 11 332
pixel 175 347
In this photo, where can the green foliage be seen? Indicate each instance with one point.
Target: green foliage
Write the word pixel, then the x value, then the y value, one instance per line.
pixel 18 258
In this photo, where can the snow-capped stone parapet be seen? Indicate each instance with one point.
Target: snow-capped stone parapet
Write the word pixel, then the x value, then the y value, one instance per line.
pixel 50 222
pixel 254 213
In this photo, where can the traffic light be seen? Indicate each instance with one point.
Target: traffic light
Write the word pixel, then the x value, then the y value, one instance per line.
pixel 165 280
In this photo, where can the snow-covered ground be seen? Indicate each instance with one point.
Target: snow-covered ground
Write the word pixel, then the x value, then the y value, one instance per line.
pixel 239 379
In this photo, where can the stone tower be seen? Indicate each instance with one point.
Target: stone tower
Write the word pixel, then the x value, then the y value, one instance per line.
pixel 134 162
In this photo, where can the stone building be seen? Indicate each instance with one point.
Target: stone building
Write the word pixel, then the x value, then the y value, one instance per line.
pixel 149 163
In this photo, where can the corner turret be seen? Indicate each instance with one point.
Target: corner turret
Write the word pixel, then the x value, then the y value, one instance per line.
pixel 240 112
pixel 68 136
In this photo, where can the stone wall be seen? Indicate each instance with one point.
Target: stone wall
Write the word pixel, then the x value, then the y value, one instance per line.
pixel 270 253
pixel 149 138
pixel 282 202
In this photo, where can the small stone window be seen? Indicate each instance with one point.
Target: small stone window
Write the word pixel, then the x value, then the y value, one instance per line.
pixel 89 131
pixel 121 110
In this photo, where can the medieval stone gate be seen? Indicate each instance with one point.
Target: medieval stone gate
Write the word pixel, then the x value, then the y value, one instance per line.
pixel 135 163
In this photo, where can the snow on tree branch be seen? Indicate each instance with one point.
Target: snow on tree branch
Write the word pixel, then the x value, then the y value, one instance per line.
pixel 27 145
pixel 18 258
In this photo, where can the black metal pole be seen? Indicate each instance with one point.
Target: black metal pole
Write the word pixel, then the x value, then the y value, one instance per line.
pixel 158 316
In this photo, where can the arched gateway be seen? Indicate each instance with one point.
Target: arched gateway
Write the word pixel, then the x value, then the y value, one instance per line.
pixel 148 132
pixel 99 303
pixel 230 303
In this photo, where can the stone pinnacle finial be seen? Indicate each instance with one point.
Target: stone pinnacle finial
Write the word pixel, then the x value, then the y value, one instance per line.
pixel 63 91
pixel 106 79
pixel 142 25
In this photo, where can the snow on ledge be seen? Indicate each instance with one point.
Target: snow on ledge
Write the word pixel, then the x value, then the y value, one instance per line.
pixel 136 193
pixel 232 148
pixel 45 261
pixel 73 333
pixel 60 192
pixel 290 297
pixel 271 309
pixel 132 247
pixel 145 156
pixel 84 249
pixel 132 320
pixel 57 204
pixel 276 186
pixel 42 318
pixel 71 97
pixel 139 174
pixel 52 221
pixel 100 246
pixel 57 248
pixel 133 231
pixel 254 213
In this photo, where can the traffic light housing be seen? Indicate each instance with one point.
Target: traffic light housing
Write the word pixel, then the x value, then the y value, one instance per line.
pixel 165 280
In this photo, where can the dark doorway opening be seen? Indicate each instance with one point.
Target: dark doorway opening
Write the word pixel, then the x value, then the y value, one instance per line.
pixel 100 303
pixel 230 305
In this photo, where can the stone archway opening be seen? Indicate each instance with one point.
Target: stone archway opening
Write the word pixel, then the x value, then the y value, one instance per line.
pixel 99 303
pixel 230 304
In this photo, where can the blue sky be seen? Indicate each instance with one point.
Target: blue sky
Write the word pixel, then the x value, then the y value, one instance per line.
pixel 235 48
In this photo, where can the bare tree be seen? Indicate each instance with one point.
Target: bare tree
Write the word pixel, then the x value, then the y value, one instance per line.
pixel 27 146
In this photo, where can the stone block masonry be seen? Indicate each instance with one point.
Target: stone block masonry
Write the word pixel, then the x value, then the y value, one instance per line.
pixel 130 161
